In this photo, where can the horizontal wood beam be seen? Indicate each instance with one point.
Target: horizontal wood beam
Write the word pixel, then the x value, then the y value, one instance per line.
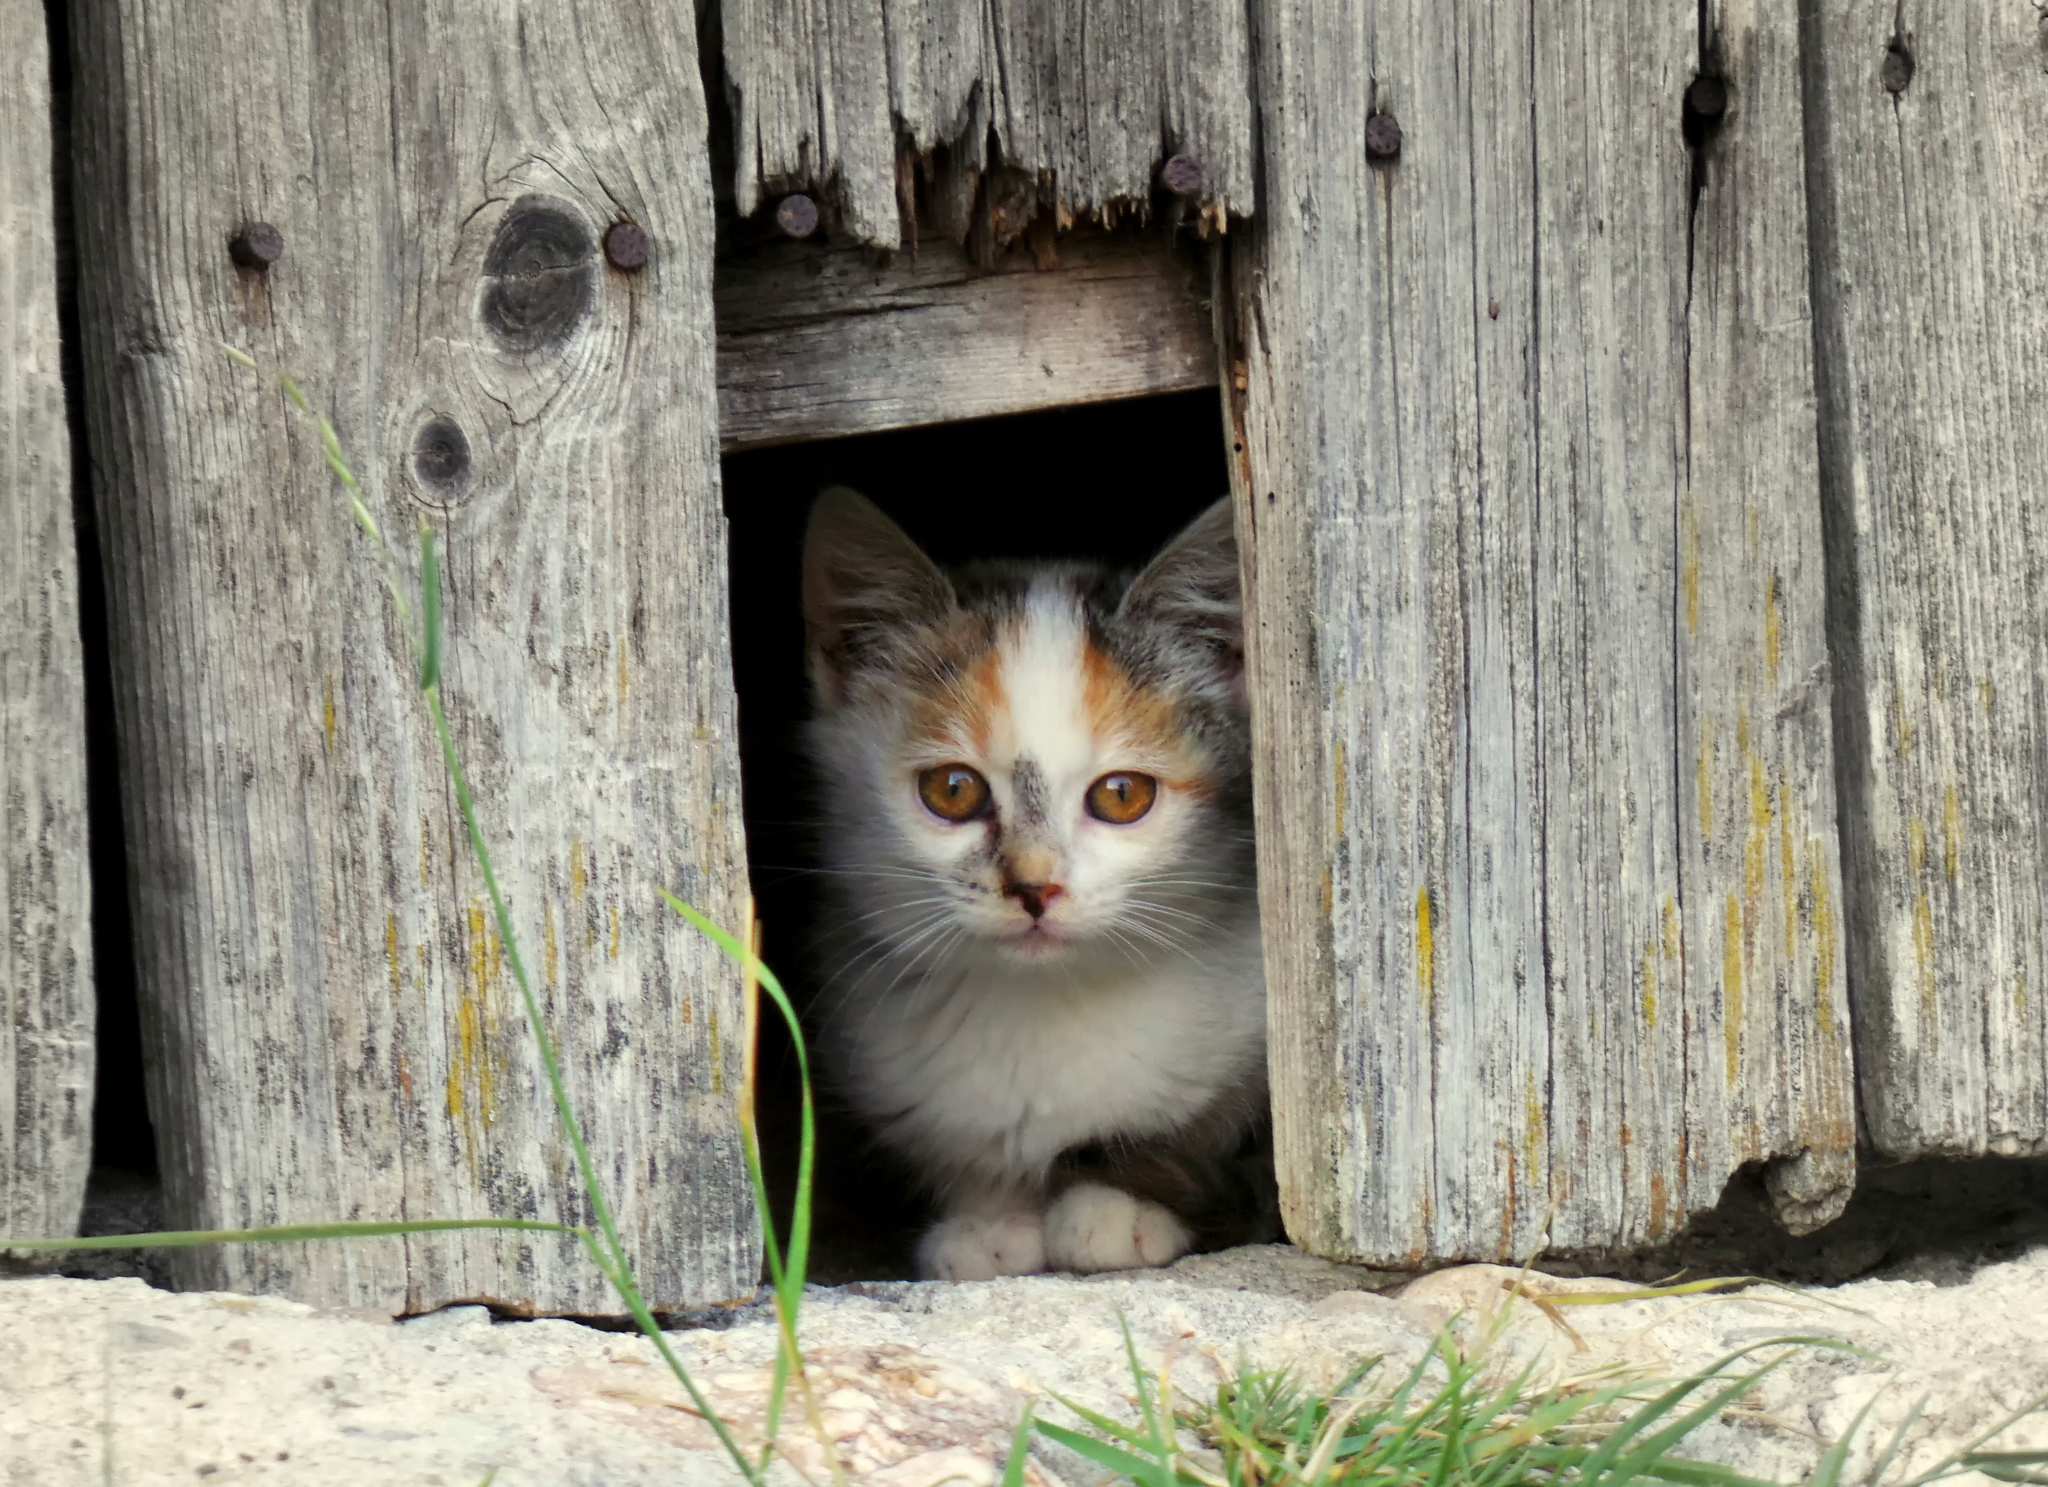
pixel 817 342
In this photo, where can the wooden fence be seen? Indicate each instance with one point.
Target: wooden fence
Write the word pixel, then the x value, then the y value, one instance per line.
pixel 1635 418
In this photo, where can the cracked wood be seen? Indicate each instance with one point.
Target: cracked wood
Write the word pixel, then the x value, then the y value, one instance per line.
pixel 1932 297
pixel 1527 498
pixel 46 985
pixel 1067 107
pixel 816 342
pixel 330 1025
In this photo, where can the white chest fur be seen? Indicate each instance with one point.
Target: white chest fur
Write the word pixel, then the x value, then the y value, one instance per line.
pixel 989 1071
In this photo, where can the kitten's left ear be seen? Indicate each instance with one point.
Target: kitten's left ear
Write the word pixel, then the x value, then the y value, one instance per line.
pixel 1192 588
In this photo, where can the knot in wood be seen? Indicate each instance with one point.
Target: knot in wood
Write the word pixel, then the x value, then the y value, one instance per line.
pixel 626 246
pixel 440 455
pixel 797 215
pixel 540 277
pixel 1382 137
pixel 257 245
pixel 1183 176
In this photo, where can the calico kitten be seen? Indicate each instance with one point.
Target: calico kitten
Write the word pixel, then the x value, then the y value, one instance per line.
pixel 1046 991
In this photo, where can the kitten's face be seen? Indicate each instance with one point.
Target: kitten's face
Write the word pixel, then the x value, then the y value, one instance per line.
pixel 1034 760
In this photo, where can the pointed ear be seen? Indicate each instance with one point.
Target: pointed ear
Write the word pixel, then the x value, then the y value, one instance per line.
pixel 867 589
pixel 1192 589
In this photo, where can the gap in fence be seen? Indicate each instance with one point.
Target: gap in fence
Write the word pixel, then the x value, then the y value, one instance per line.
pixel 121 1194
pixel 1112 481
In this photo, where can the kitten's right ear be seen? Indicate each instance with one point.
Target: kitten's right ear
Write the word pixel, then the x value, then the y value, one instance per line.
pixel 867 589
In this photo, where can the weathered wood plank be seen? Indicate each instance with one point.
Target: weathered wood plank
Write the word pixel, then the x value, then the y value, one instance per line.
pixel 1530 938
pixel 1928 189
pixel 816 342
pixel 46 986
pixel 1079 101
pixel 331 1027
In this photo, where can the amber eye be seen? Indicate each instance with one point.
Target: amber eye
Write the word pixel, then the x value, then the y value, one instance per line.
pixel 953 792
pixel 1122 798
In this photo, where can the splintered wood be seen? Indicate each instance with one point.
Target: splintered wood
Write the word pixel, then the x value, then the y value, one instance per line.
pixel 331 1026
pixel 46 986
pixel 1003 111
pixel 1526 483
pixel 1931 286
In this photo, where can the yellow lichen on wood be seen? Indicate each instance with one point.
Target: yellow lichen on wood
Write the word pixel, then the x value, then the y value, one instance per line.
pixel 1923 954
pixel 1706 779
pixel 1756 851
pixel 1532 1124
pixel 1774 621
pixel 391 954
pixel 471 1070
pixel 1788 865
pixel 1649 988
pixel 1731 990
pixel 550 948
pixel 1425 948
pixel 1823 933
pixel 1951 830
pixel 327 709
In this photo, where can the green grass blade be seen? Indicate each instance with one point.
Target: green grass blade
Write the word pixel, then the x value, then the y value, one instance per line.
pixel 430 612
pixel 1020 1450
pixel 2008 1466
pixel 1827 1472
pixel 786 1274
pixel 284 1234
pixel 1102 1453
pixel 1890 1454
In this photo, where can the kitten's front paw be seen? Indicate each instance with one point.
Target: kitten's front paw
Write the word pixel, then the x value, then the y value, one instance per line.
pixel 973 1247
pixel 1092 1227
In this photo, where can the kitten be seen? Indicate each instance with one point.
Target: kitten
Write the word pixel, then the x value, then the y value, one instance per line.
pixel 1048 994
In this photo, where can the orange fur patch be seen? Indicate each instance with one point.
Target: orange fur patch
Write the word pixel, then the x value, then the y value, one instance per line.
pixel 964 709
pixel 1119 709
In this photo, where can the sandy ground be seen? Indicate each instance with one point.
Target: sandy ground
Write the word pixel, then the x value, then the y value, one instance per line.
pixel 110 1381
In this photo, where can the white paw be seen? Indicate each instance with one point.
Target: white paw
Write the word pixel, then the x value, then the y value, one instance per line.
pixel 975 1247
pixel 1092 1227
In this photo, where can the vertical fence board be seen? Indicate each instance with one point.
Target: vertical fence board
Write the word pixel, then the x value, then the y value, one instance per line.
pixel 1931 287
pixel 1505 540
pixel 46 987
pixel 1082 101
pixel 331 1024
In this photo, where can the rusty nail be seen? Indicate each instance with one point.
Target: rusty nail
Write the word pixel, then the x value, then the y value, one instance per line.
pixel 1382 137
pixel 797 215
pixel 258 245
pixel 1707 97
pixel 1898 68
pixel 1183 176
pixel 625 246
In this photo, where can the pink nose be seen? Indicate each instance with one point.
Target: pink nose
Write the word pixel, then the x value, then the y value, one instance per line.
pixel 1035 898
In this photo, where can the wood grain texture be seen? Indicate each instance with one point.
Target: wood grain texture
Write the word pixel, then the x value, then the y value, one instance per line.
pixel 46 985
pixel 1544 778
pixel 815 342
pixel 1080 102
pixel 331 1028
pixel 1931 272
